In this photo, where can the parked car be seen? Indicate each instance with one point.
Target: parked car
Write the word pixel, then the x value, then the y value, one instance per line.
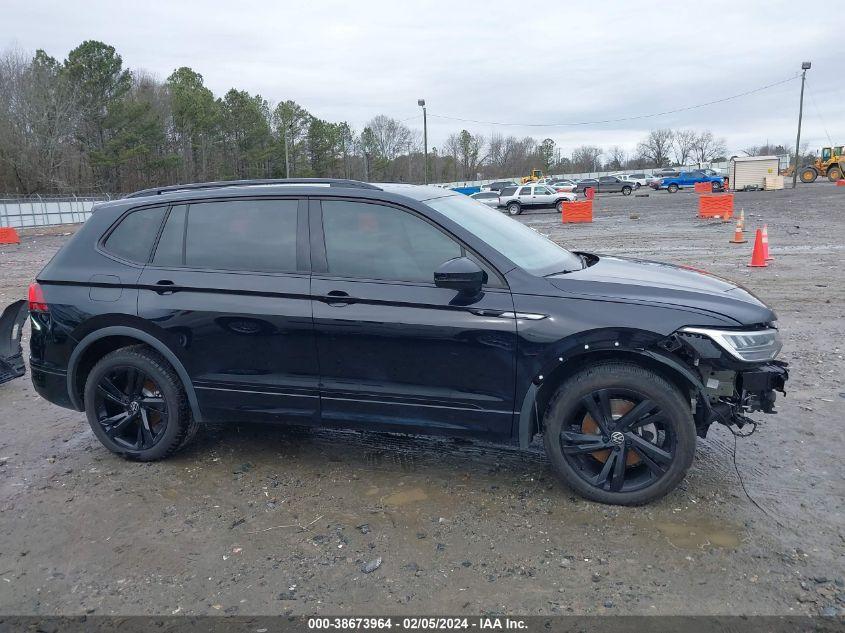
pixel 532 196
pixel 498 185
pixel 395 308
pixel 640 178
pixel 688 179
pixel 490 198
pixel 563 185
pixel 605 184
pixel 628 178
pixel 665 173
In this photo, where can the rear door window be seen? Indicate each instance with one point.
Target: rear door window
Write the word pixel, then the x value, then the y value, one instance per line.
pixel 239 235
pixel 133 238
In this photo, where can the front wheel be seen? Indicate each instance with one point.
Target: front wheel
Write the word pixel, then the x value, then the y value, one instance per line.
pixel 559 206
pixel 834 174
pixel 626 191
pixel 673 188
pixel 514 208
pixel 619 433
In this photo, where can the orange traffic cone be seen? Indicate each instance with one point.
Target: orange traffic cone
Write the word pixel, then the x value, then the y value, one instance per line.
pixel 766 255
pixel 758 259
pixel 739 238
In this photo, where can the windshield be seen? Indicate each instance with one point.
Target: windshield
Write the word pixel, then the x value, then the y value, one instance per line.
pixel 523 246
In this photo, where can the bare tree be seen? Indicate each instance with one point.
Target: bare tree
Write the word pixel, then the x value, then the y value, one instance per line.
pixel 683 142
pixel 38 117
pixel 618 157
pixel 586 158
pixel 706 147
pixel 655 148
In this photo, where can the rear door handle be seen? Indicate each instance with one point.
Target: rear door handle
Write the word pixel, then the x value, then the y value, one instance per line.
pixel 165 287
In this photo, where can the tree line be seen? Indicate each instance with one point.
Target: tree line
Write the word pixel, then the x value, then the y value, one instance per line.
pixel 88 124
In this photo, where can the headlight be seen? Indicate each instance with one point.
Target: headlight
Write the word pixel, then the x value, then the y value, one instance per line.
pixel 751 346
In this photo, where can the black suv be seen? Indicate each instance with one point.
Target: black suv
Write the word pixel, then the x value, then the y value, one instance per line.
pixel 394 308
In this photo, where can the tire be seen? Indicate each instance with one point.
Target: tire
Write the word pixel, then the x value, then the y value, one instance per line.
pixel 834 174
pixel 715 187
pixel 626 190
pixel 637 186
pixel 514 208
pixel 673 188
pixel 566 434
pixel 808 174
pixel 137 406
pixel 559 206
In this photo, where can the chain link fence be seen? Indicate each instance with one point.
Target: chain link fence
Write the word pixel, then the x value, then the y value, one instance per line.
pixel 28 211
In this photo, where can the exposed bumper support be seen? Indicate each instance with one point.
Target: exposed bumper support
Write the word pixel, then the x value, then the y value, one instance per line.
pixel 11 353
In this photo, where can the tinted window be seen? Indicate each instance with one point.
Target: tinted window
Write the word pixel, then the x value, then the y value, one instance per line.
pixel 525 191
pixel 524 246
pixel 169 249
pixel 258 235
pixel 133 238
pixel 507 191
pixel 378 242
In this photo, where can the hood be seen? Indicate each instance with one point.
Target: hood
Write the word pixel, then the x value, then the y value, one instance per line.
pixel 622 279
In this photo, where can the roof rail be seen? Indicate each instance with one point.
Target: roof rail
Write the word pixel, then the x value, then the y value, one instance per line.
pixel 331 182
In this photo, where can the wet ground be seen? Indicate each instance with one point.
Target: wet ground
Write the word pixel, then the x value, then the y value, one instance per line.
pixel 262 520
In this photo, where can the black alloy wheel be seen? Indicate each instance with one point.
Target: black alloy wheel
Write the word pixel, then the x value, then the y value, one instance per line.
pixel 131 408
pixel 618 440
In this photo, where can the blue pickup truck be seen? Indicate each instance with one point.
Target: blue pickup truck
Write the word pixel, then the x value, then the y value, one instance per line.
pixel 687 179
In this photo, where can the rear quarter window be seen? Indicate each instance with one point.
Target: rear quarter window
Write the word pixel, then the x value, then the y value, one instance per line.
pixel 507 191
pixel 132 239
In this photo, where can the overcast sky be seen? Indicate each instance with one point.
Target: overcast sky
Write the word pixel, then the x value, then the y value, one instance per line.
pixel 490 61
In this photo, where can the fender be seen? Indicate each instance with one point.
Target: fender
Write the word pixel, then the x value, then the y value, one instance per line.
pixel 144 337
pixel 529 416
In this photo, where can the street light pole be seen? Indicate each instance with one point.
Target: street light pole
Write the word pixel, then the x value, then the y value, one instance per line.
pixel 421 103
pixel 287 161
pixel 805 66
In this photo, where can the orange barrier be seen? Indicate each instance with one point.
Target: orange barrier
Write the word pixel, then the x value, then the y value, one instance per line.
pixel 758 258
pixel 589 193
pixel 703 187
pixel 716 205
pixel 840 183
pixel 579 211
pixel 9 236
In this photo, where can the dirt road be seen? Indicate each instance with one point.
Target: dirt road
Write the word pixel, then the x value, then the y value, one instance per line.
pixel 263 520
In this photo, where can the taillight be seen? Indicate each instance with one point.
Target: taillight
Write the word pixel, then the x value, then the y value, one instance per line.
pixel 36 299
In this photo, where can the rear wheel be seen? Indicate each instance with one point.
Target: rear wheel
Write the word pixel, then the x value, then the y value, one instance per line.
pixel 626 190
pixel 514 208
pixel 619 433
pixel 808 174
pixel 672 188
pixel 715 186
pixel 834 174
pixel 136 405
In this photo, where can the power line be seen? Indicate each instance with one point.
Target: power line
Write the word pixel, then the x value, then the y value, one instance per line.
pixel 819 114
pixel 622 119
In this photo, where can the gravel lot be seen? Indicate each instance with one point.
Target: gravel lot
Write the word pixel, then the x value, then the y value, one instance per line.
pixel 261 520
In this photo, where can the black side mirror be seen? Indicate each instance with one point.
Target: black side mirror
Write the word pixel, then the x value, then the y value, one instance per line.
pixel 461 274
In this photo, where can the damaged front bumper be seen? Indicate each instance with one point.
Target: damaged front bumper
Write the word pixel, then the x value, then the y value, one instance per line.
pixel 11 353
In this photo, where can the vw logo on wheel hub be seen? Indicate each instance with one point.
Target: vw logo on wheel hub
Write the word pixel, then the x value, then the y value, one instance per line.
pixel 617 438
pixel 134 406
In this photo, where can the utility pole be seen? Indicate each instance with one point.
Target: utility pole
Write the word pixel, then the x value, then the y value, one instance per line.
pixel 287 160
pixel 421 103
pixel 805 66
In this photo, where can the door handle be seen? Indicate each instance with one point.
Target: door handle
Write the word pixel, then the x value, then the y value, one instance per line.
pixel 338 298
pixel 164 287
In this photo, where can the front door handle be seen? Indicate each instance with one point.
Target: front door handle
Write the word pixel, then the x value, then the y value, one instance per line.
pixel 338 298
